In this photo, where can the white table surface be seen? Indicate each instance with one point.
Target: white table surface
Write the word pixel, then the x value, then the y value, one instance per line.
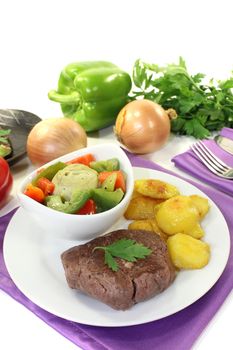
pixel 39 38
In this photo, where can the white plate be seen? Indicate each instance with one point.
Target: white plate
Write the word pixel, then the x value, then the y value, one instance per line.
pixel 33 261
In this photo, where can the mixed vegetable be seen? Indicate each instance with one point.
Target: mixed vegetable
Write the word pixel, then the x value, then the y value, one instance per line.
pixel 96 94
pixel 80 186
pixel 164 98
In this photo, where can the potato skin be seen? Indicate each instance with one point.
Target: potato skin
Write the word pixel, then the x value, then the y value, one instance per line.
pixel 155 188
pixel 187 252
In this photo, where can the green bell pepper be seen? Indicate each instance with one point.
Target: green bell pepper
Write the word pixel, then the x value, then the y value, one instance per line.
pixel 49 172
pixel 105 199
pixel 92 93
pixel 112 164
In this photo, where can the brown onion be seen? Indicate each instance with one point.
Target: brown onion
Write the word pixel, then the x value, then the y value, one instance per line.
pixel 54 137
pixel 143 126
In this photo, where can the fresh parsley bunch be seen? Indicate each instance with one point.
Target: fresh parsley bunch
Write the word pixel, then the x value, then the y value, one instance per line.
pixel 201 108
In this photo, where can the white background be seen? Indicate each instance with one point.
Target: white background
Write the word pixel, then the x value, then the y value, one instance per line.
pixel 38 38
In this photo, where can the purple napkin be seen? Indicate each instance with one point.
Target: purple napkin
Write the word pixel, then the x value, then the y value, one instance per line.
pixel 177 332
pixel 189 162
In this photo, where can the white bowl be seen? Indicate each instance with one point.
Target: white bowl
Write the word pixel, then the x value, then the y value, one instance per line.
pixel 79 227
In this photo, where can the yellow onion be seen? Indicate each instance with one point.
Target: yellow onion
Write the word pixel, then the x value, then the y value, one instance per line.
pixel 54 137
pixel 143 126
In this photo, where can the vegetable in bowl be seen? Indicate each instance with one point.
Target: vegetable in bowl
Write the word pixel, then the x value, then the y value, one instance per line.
pixel 77 188
pixel 61 225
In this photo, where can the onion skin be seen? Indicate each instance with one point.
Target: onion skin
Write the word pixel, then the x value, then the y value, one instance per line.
pixel 54 137
pixel 142 126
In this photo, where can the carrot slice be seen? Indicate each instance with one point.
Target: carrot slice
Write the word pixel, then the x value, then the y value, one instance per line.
pixel 46 186
pixel 35 193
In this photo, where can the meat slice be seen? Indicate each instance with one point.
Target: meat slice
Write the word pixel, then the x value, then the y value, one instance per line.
pixel 86 270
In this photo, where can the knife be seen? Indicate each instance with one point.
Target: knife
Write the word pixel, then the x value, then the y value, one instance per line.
pixel 225 143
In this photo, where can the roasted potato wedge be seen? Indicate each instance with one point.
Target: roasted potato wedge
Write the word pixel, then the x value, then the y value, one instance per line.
pixel 179 215
pixel 147 225
pixel 141 208
pixel 187 252
pixel 155 188
pixel 201 204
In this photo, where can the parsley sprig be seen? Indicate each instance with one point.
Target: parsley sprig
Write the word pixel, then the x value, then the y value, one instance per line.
pixel 201 108
pixel 127 249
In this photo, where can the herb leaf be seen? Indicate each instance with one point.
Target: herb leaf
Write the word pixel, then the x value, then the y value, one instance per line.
pixel 139 73
pixel 127 249
pixel 3 140
pixel 5 150
pixel 4 132
pixel 110 261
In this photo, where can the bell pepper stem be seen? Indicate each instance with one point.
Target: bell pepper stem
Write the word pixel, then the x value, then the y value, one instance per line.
pixel 74 97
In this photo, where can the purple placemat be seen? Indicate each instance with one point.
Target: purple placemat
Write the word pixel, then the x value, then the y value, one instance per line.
pixel 176 332
pixel 190 163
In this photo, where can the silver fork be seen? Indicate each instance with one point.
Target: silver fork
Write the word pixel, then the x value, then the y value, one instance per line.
pixel 213 163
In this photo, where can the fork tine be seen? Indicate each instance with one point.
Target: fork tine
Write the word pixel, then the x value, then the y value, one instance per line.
pixel 208 158
pixel 206 161
pixel 212 156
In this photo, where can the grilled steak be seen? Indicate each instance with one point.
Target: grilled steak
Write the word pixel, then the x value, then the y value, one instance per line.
pixel 86 270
